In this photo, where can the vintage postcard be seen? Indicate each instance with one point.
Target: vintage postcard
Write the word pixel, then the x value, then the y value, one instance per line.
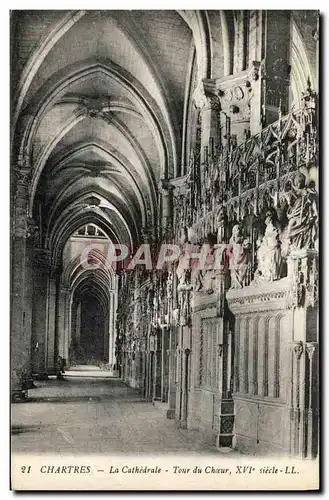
pixel 164 249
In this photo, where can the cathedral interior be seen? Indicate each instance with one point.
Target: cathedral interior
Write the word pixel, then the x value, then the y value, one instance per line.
pixel 161 129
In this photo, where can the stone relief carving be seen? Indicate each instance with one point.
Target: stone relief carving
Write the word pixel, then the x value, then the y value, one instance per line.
pixel 234 183
pixel 303 273
pixel 238 257
pixel 184 277
pixel 298 349
pixel 23 159
pixel 97 107
pixel 254 71
pixel 23 177
pixel 269 259
pixel 204 277
pixel 302 215
pixel 204 99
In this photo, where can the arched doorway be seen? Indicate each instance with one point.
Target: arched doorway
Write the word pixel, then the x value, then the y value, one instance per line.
pixel 89 329
pixel 87 309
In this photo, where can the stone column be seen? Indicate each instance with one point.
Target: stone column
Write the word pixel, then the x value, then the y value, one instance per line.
pixel 158 365
pixel 20 329
pixel 113 314
pixel 257 31
pixel 172 370
pixel 179 374
pixel 275 70
pixel 166 206
pixel 28 293
pixel 183 387
pixel 223 350
pixel 207 100
pixel 40 316
pixel 313 389
pixel 229 378
pixel 240 41
pixel 113 322
pixel 163 362
pixel 111 332
pixel 78 322
pixel 63 321
pixel 51 330
pixel 296 435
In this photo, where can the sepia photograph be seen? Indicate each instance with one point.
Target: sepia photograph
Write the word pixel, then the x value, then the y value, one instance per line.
pixel 164 245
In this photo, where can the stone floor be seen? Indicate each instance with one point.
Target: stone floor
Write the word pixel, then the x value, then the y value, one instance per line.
pixel 96 415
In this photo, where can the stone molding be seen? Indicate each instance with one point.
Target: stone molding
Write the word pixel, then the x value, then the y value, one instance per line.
pixel 263 297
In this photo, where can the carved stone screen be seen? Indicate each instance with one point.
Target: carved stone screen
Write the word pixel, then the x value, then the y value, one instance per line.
pixel 209 354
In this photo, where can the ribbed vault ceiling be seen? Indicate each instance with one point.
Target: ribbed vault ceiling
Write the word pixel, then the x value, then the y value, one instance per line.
pixel 100 112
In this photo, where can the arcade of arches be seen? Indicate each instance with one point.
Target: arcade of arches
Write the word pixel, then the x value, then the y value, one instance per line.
pixel 190 128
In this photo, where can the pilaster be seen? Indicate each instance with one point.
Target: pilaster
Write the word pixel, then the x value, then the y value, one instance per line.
pixel 172 377
pixel 166 191
pixel 275 70
pixel 63 321
pixel 209 105
pixel 40 310
pixel 20 283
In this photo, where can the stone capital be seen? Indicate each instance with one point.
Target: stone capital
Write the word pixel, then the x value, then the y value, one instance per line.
pixel 165 187
pixel 206 96
pixel 298 349
pixel 22 177
pixel 254 70
pixel 64 290
pixel 310 349
pixel 42 259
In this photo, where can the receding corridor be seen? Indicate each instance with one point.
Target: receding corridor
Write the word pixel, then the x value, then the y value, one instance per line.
pixel 165 232
pixel 101 415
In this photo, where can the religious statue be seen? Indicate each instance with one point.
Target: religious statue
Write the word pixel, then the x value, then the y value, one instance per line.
pixel 184 285
pixel 208 273
pixel 238 257
pixel 302 216
pixel 184 291
pixel 269 259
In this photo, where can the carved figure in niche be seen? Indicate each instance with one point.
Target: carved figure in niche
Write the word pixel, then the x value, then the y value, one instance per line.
pixel 184 291
pixel 238 256
pixel 184 286
pixel 302 215
pixel 204 277
pixel 269 259
pixel 197 281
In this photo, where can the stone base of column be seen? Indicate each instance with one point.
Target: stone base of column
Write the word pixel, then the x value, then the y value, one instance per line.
pixel 28 383
pixel 170 414
pixel 40 376
pixel 181 424
pixel 171 411
pixel 18 395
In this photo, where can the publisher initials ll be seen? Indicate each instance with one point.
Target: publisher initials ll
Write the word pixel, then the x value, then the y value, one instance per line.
pixel 290 470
